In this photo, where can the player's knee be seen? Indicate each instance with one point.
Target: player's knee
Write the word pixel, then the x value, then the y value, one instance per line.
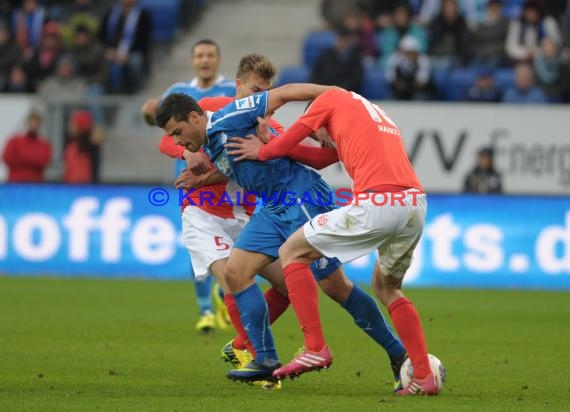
pixel 234 277
pixel 336 289
pixel 285 254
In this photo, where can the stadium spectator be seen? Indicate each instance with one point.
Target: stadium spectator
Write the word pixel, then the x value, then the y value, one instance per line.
pixel 447 34
pixel 484 90
pixel 27 154
pixel 402 25
pixel 409 72
pixel 486 42
pixel 44 60
pixel 360 23
pixel 483 178
pixel 334 11
pixel 80 155
pixel 525 89
pixel 6 10
pixel 82 13
pixel 27 26
pixel 548 67
pixel 64 82
pixel 17 80
pixel 89 56
pixel 474 11
pixel 125 32
pixel 526 33
pixel 381 12
pixel 425 10
pixel 10 53
pixel 340 65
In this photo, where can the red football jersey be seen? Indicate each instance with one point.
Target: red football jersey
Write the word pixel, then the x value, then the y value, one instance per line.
pixel 368 142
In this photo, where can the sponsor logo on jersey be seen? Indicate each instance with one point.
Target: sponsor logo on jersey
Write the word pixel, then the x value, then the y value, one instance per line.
pixel 322 220
pixel 245 103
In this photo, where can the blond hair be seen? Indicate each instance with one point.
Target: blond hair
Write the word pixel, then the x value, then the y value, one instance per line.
pixel 258 64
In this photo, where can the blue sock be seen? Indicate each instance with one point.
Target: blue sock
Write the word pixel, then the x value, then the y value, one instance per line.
pixel 203 292
pixel 255 319
pixel 368 317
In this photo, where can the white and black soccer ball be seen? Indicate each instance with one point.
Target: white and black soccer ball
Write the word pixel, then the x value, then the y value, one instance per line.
pixel 437 368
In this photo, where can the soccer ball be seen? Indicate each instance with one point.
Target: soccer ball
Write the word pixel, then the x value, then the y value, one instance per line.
pixel 437 368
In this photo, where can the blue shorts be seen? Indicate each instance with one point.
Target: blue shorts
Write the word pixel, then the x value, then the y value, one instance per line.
pixel 267 230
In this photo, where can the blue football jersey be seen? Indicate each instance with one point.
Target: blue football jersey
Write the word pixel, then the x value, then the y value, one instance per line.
pixel 222 87
pixel 274 180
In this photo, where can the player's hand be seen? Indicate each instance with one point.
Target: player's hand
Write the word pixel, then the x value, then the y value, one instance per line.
pixel 186 180
pixel 262 129
pixel 148 110
pixel 197 163
pixel 244 148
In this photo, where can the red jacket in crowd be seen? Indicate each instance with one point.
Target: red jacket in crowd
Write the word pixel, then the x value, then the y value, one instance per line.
pixel 27 156
pixel 78 168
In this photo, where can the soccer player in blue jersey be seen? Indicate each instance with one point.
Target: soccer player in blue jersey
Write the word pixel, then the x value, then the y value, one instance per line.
pixel 208 82
pixel 258 244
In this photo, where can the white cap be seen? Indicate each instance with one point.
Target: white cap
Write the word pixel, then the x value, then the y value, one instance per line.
pixel 410 44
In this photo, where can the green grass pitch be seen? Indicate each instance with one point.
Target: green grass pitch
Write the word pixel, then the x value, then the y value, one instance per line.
pixel 130 345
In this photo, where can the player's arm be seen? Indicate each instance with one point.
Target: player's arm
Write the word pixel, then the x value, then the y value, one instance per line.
pixel 294 92
pixel 148 110
pixel 188 180
pixel 169 148
pixel 315 157
pixel 198 163
pixel 250 148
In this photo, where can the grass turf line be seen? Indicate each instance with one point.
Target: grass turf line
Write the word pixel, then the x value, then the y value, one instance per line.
pixel 118 345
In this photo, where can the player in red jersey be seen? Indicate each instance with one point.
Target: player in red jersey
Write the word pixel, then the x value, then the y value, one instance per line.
pixel 387 214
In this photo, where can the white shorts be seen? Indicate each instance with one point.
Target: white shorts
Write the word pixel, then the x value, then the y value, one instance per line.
pixel 354 230
pixel 208 238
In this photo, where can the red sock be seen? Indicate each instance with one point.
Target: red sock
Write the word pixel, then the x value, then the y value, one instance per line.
pixel 276 304
pixel 409 326
pixel 303 294
pixel 241 341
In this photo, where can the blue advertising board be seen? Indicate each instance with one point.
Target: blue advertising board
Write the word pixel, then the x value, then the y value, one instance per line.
pixel 134 231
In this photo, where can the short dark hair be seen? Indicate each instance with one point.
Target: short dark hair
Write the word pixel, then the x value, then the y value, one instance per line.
pixel 208 42
pixel 176 106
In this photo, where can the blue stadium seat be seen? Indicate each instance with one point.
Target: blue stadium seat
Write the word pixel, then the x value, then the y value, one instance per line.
pixel 504 79
pixel 315 42
pixel 440 78
pixel 374 86
pixel 293 74
pixel 459 81
pixel 165 18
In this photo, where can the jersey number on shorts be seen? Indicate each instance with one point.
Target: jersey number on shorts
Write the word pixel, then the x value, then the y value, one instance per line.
pixel 377 114
pixel 220 244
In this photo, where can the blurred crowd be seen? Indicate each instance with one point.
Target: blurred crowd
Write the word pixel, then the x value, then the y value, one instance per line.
pixel 418 42
pixel 75 47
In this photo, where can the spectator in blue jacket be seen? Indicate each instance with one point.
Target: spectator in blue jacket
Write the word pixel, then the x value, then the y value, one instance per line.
pixel 525 90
